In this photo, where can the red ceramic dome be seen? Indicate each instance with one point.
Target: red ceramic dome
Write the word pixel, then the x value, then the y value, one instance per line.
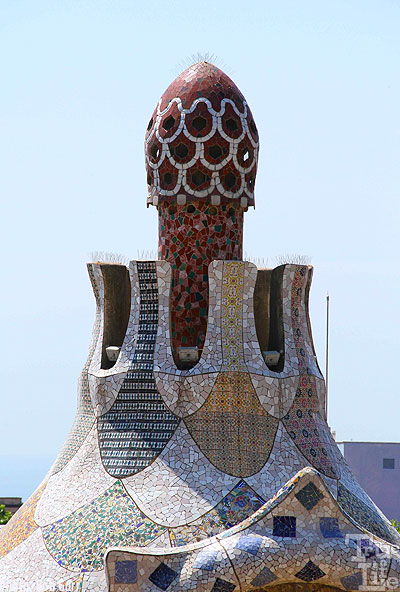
pixel 201 141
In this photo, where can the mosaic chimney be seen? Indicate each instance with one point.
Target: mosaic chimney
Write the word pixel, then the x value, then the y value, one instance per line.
pixel 219 474
pixel 201 151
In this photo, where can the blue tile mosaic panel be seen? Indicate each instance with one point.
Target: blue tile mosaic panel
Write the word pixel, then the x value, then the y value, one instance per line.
pixel 284 526
pixel 309 496
pixel 126 572
pixel 139 425
pixel 263 578
pixel 352 582
pixel 330 528
pixel 223 586
pixel 163 576
pixel 310 572
pixel 249 543
pixel 205 560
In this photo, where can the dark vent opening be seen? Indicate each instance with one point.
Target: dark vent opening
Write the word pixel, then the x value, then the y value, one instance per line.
pixel 276 337
pixel 268 312
pixel 261 300
pixel 117 301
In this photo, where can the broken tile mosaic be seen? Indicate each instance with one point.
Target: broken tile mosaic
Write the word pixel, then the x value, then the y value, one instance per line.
pixel 189 288
pixel 79 541
pixel 284 526
pixel 165 454
pixel 263 578
pixel 353 582
pixel 223 586
pixel 309 496
pixel 21 525
pixel 163 576
pixel 139 425
pixel 125 572
pixel 330 528
pixel 238 505
pixel 363 514
pixel 250 544
pixel 205 560
pixel 310 572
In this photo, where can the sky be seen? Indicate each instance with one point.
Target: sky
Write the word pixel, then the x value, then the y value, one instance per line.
pixel 79 81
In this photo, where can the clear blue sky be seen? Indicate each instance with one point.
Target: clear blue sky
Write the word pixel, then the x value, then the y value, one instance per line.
pixel 79 81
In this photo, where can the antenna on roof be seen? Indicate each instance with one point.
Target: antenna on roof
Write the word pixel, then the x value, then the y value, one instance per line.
pixel 327 356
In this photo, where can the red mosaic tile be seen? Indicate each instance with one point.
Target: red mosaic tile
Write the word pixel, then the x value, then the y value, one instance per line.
pixel 201 141
pixel 190 237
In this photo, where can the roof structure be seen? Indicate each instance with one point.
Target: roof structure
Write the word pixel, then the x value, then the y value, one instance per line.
pixel 201 141
pixel 205 465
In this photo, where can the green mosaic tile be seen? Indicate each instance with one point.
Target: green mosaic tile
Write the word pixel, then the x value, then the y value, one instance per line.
pixel 79 541
pixel 366 516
